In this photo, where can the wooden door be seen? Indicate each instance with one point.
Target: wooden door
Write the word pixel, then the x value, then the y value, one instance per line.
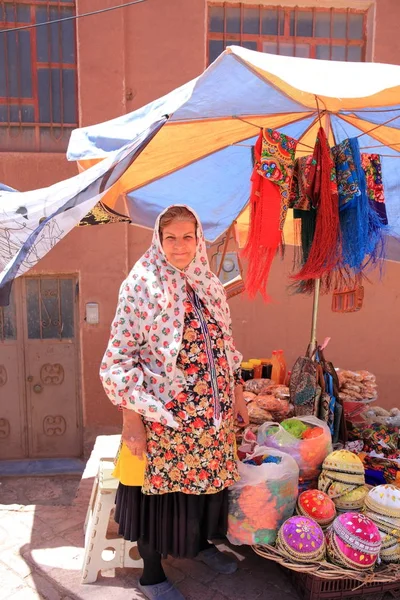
pixel 13 426
pixel 39 396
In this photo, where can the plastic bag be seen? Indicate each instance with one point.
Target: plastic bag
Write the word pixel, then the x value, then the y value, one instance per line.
pixel 309 454
pixel 263 499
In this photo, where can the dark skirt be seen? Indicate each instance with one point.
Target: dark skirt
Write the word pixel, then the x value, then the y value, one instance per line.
pixel 174 524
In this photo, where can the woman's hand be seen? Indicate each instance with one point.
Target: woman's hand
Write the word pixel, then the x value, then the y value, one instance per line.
pixel 240 408
pixel 134 433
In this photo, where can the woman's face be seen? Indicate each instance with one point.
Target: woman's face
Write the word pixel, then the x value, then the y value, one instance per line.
pixel 179 243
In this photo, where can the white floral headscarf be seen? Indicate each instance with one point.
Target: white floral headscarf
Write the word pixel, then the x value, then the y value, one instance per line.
pixel 139 369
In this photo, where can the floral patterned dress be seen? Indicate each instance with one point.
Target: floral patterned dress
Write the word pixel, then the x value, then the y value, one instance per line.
pixel 199 457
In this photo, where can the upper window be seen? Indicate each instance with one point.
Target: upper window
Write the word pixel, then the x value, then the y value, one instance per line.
pixel 325 33
pixel 37 76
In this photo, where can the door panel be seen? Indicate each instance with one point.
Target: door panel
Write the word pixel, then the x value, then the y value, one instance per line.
pixel 12 388
pixel 51 368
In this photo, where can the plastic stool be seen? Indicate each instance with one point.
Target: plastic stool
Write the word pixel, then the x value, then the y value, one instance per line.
pixel 101 503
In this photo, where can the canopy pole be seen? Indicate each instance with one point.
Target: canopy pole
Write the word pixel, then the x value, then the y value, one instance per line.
pixel 317 286
pixel 317 282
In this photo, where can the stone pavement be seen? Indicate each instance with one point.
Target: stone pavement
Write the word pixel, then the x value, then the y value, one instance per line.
pixel 41 551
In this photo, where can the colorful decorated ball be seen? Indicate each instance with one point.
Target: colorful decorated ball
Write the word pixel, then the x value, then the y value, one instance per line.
pixel 353 500
pixel 353 541
pixel 343 461
pixel 302 539
pixel 316 505
pixel 384 500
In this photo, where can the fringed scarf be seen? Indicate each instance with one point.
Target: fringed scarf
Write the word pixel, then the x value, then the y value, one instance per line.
pixel 274 155
pixel 362 230
pixel 322 189
pixel 372 166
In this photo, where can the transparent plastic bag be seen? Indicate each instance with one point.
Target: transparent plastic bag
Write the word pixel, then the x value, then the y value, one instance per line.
pixel 263 499
pixel 309 454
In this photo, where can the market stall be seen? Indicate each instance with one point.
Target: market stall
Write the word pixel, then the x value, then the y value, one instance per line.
pixel 291 133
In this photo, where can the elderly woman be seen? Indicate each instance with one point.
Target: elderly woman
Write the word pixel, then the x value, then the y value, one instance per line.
pixel 172 366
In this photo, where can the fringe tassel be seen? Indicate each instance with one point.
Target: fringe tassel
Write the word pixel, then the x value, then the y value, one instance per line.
pixel 363 232
pixel 323 255
pixel 264 236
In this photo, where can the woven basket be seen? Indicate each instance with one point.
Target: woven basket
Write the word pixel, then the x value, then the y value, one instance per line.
pixel 325 570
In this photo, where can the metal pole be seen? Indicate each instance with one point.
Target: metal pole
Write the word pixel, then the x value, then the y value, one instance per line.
pixel 315 314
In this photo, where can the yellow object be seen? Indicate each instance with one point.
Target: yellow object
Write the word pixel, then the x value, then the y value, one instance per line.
pixel 255 361
pixel 246 365
pixel 129 469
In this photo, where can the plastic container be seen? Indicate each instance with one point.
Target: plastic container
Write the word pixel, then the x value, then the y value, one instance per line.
pixel 276 367
pixel 257 367
pixel 282 362
pixel 266 371
pixel 247 371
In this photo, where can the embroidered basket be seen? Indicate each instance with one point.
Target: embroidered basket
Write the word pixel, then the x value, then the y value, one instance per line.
pixel 353 500
pixel 301 539
pixel 353 541
pixel 384 500
pixel 345 462
pixel 318 506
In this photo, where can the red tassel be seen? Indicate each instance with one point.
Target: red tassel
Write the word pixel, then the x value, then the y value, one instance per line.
pixel 324 255
pixel 264 233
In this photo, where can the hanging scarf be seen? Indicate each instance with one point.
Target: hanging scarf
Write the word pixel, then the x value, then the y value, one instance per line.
pixel 372 166
pixel 322 190
pixel 139 369
pixel 299 198
pixel 362 230
pixel 274 155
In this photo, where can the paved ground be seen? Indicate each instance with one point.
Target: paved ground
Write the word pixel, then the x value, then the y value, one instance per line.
pixel 41 551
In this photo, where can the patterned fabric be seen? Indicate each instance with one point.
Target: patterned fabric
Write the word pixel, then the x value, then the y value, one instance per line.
pixel 277 164
pixel 346 173
pixel 102 215
pixel 197 458
pixel 362 230
pixel 139 369
pixel 383 439
pixel 390 469
pixel 373 170
pixel 303 386
pixel 299 198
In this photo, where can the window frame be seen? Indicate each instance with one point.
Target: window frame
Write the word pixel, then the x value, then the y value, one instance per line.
pixel 284 11
pixel 9 101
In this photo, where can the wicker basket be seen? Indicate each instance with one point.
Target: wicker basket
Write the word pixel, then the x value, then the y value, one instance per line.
pixel 325 570
pixel 323 580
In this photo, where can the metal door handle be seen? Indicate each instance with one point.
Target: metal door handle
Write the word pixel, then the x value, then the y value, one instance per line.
pixel 30 378
pixel 37 388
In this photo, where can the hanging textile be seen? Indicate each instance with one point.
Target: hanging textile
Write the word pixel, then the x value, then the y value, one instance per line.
pixel 362 230
pixel 322 190
pixel 299 197
pixel 304 215
pixel 274 155
pixel 372 166
pixel 102 215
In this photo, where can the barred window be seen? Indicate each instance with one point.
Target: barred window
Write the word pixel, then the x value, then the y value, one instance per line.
pixel 38 92
pixel 324 33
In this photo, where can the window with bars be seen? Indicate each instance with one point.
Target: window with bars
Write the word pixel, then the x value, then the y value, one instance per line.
pixel 38 107
pixel 324 33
